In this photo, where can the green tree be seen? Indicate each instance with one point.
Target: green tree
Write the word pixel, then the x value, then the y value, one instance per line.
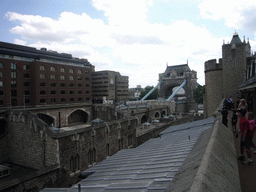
pixel 153 95
pixel 199 93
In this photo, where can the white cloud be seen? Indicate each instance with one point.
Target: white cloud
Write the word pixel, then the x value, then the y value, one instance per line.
pixel 123 13
pixel 20 42
pixel 128 44
pixel 237 14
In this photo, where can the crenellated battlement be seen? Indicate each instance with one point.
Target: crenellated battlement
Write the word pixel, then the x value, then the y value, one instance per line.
pixel 212 65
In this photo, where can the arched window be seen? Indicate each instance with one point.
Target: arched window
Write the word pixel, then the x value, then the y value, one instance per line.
pixel 42 68
pixel 71 71
pixel 62 70
pixel 130 140
pixel 71 164
pixel 76 163
pixel 120 144
pixel 53 69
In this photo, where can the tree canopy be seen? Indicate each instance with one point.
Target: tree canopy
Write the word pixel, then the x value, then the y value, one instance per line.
pixel 151 96
pixel 199 93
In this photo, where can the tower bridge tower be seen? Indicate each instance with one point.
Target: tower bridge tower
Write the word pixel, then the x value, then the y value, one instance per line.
pixel 174 76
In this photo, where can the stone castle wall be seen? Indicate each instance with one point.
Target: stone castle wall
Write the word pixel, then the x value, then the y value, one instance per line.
pixel 28 143
pixel 31 143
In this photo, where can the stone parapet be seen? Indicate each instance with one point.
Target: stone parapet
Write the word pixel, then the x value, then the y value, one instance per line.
pixel 212 163
pixel 212 65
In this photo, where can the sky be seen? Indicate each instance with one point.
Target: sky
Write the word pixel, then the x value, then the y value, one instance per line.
pixel 138 38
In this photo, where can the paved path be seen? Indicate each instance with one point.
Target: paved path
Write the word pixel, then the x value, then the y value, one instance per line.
pixel 247 173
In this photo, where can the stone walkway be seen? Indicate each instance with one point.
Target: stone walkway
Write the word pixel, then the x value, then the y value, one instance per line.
pixel 247 173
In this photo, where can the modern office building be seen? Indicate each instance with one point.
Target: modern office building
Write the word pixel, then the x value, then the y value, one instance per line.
pixel 31 77
pixel 110 86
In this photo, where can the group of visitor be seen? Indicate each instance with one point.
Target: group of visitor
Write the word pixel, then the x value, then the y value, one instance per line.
pixel 247 126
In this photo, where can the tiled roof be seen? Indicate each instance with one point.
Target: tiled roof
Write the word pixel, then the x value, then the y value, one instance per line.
pixel 149 167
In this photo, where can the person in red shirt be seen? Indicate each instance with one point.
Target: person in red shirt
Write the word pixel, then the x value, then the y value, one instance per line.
pixel 246 137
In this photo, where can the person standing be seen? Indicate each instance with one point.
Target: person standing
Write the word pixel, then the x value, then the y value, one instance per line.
pixel 234 120
pixel 252 126
pixel 243 104
pixel 245 142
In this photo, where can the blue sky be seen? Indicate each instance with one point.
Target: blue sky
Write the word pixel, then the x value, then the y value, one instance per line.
pixel 138 38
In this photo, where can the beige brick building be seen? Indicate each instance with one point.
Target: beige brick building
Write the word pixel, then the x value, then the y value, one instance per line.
pixel 110 86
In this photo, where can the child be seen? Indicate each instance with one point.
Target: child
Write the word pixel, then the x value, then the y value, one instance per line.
pixel 252 125
pixel 234 120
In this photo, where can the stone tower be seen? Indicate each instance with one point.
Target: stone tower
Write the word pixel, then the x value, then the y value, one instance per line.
pixel 234 64
pixel 213 86
pixel 174 76
pixel 223 78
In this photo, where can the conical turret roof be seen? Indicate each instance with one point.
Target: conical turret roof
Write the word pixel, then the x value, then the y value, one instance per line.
pixel 236 39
